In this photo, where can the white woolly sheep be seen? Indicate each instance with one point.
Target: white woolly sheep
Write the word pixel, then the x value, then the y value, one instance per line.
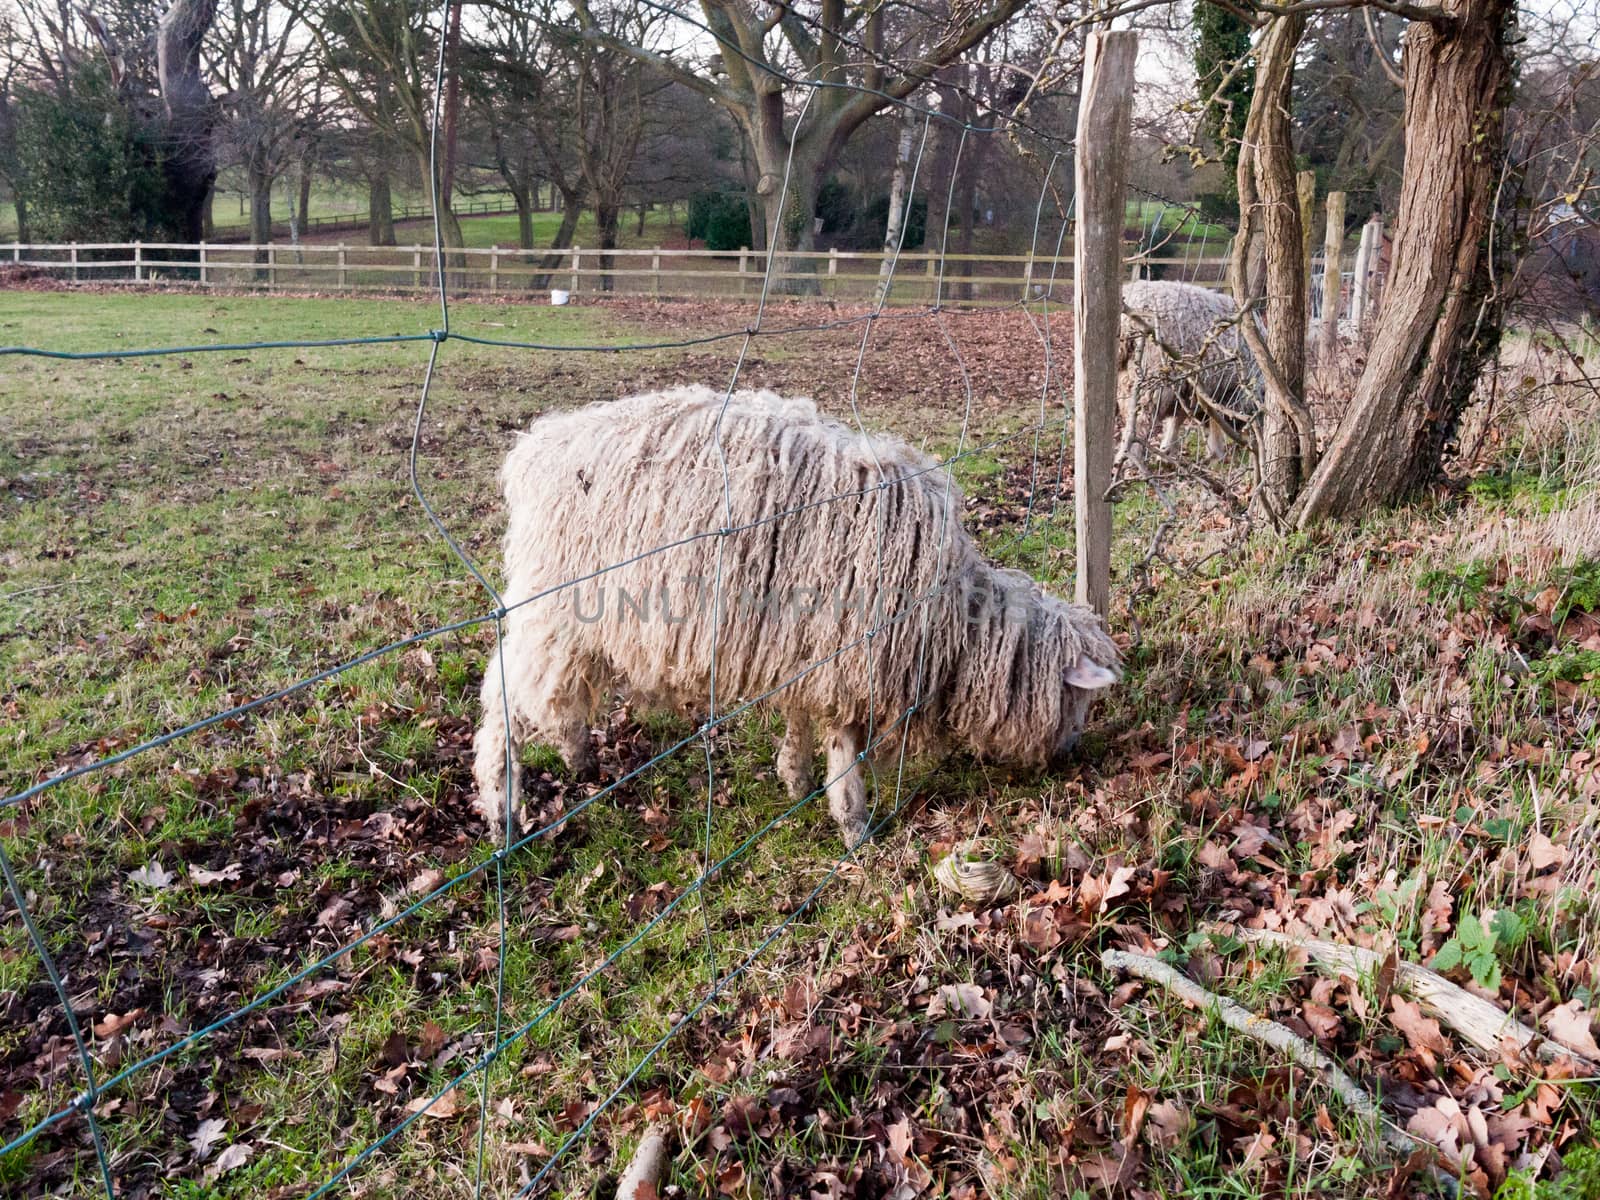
pixel 849 595
pixel 1198 324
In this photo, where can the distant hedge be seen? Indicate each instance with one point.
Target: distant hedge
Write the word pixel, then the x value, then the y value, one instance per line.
pixel 720 219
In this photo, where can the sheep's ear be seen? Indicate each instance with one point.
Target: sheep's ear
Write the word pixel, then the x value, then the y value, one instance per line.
pixel 1090 675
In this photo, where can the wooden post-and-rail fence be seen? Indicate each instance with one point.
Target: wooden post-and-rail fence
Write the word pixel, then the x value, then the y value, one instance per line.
pixel 651 271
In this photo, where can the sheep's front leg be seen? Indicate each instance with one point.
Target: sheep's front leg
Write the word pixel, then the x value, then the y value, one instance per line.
pixel 496 763
pixel 797 757
pixel 1169 431
pixel 577 748
pixel 847 787
pixel 1128 402
pixel 1217 441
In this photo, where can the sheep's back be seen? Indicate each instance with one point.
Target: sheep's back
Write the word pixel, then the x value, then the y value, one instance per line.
pixel 598 491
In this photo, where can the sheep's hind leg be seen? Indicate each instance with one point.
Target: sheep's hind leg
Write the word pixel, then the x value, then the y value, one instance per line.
pixel 847 788
pixel 797 757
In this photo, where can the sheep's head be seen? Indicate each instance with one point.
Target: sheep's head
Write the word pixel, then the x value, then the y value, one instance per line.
pixel 1082 679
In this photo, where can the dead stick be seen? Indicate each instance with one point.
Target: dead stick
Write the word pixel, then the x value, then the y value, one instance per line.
pixel 1242 1020
pixel 1485 1024
pixel 645 1169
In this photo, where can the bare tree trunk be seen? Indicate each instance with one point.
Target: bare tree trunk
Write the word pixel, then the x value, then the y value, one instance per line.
pixel 1439 319
pixel 260 184
pixel 452 102
pixel 607 214
pixel 524 201
pixel 947 137
pixel 305 194
pixel 451 239
pixel 967 199
pixel 380 211
pixel 899 203
pixel 1269 203
pixel 571 211
pixel 190 165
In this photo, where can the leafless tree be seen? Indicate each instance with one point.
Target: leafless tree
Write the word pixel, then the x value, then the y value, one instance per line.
pixel 260 53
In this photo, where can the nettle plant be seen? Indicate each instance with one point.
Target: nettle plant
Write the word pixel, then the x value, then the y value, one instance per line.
pixel 1481 943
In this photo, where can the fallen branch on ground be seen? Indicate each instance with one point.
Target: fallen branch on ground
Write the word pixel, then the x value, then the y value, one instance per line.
pixel 1242 1020
pixel 1479 1021
pixel 639 1181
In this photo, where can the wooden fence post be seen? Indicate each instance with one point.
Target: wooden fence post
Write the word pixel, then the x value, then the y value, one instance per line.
pixel 655 267
pixel 416 268
pixel 1306 191
pixel 833 270
pixel 138 262
pixel 494 269
pixel 75 262
pixel 1374 262
pixel 1358 281
pixel 272 267
pixel 1104 111
pixel 744 266
pixel 1332 275
pixel 577 266
pixel 344 268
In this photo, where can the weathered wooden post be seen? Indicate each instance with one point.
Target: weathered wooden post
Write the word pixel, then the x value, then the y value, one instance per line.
pixel 577 266
pixel 416 267
pixel 1104 112
pixel 1374 264
pixel 1332 275
pixel 744 266
pixel 138 262
pixel 344 267
pixel 1306 192
pixel 655 267
pixel 1358 281
pixel 75 262
pixel 494 269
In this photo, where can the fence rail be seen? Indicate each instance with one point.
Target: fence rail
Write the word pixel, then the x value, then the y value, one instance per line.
pixel 651 271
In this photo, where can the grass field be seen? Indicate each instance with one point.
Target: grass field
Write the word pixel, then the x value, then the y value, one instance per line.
pixel 1385 734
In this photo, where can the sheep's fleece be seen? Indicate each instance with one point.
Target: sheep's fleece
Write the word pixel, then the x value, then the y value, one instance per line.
pixel 1197 323
pixel 843 601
